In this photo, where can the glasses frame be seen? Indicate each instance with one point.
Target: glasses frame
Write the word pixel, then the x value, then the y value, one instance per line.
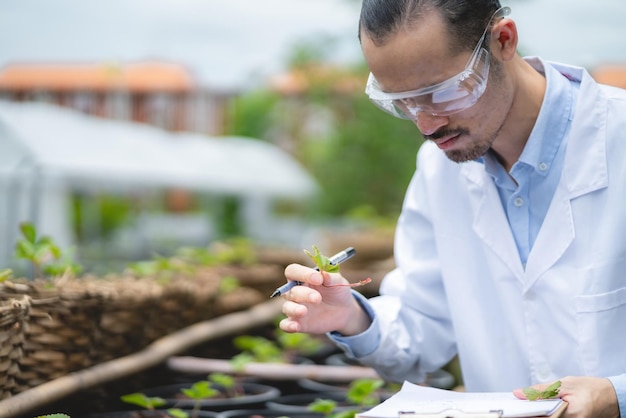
pixel 475 74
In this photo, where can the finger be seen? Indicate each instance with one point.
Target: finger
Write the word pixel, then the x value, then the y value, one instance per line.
pixel 294 310
pixel 300 273
pixel 303 294
pixel 289 325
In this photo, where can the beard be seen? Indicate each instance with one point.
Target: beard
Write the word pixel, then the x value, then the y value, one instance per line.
pixel 475 149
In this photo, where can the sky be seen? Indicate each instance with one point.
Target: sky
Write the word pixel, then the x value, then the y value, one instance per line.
pixel 233 43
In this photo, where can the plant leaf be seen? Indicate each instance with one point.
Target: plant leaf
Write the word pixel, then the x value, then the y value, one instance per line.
pixel 29 231
pixel 532 394
pixel 321 261
pixel 550 392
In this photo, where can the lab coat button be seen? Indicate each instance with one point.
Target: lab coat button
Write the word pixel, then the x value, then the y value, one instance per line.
pixel 518 201
pixel 543 166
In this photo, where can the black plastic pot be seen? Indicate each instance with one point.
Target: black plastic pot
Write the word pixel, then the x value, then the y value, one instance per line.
pixel 301 402
pixel 266 413
pixel 160 413
pixel 254 395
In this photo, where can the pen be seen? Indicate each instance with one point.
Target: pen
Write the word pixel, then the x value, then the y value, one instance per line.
pixel 338 258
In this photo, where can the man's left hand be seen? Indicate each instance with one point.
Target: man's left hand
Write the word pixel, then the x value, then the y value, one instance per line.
pixel 587 397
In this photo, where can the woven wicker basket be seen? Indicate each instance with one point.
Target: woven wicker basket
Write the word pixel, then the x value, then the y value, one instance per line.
pixel 14 313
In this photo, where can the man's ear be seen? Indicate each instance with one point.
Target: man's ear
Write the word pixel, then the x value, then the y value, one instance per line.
pixel 504 39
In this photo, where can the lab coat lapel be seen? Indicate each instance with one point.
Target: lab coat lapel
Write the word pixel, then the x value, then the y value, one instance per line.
pixel 584 171
pixel 490 222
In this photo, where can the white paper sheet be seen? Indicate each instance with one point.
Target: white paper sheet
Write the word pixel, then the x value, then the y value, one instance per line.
pixel 421 399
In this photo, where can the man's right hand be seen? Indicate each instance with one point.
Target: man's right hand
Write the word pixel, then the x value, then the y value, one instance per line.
pixel 317 308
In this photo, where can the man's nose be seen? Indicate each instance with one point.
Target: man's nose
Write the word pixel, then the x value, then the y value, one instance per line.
pixel 428 123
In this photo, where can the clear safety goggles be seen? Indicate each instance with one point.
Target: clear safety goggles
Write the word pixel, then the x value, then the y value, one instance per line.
pixel 450 96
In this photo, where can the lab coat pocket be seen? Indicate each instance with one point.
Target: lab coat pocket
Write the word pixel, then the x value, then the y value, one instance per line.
pixel 602 332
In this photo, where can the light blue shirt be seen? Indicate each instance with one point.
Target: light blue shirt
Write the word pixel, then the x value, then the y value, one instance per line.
pixel 526 193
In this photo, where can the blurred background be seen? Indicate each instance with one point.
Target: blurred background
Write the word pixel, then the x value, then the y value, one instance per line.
pixel 132 128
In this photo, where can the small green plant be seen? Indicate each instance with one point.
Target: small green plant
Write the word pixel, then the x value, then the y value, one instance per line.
pixel 198 391
pixel 283 349
pixel 321 261
pixel 5 274
pixel 45 256
pixel 550 392
pixel 227 382
pixel 54 416
pixel 362 393
pixel 256 348
pixel 161 268
pixel 152 403
pixel 323 264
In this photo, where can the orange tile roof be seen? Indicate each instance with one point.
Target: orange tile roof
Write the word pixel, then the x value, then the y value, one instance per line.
pixel 139 77
pixel 612 74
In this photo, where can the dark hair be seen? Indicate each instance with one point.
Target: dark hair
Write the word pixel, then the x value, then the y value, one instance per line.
pixel 466 19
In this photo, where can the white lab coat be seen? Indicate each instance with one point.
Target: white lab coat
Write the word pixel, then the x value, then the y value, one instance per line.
pixel 460 285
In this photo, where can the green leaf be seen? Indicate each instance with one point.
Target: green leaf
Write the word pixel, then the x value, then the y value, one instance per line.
pixel 550 392
pixel 321 261
pixel 323 406
pixel 143 401
pixel 200 390
pixel 54 416
pixel 531 393
pixel 363 391
pixel 177 413
pixel 222 379
pixel 29 232
pixel 25 249
pixel 5 274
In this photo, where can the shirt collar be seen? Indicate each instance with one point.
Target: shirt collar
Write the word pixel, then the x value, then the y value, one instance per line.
pixel 549 131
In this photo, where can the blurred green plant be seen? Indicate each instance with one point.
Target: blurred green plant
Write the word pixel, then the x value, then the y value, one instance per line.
pixel 5 274
pixel 362 393
pixel 283 348
pixel 360 156
pixel 44 254
pixel 152 403
pixel 54 416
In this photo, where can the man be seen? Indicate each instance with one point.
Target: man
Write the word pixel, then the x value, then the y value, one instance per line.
pixel 511 245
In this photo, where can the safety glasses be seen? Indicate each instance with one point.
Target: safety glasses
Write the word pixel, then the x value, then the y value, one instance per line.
pixel 450 96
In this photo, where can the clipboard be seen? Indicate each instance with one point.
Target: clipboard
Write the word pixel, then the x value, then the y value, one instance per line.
pixel 455 413
pixel 451 413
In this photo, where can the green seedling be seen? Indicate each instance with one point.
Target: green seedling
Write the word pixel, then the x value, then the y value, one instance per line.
pixel 199 391
pixel 225 381
pixel 298 343
pixel 550 392
pixel 321 261
pixel 256 348
pixel 152 403
pixel 229 284
pixel 54 416
pixel 361 393
pixel 5 274
pixel 45 256
pixel 323 264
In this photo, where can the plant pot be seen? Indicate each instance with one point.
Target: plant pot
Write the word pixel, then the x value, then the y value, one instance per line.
pixel 300 402
pixel 160 413
pixel 266 413
pixel 255 395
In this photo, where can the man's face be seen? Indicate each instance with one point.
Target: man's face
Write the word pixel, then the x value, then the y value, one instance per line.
pixel 420 56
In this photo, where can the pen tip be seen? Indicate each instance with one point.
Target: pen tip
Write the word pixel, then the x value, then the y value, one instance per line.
pixel 276 293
